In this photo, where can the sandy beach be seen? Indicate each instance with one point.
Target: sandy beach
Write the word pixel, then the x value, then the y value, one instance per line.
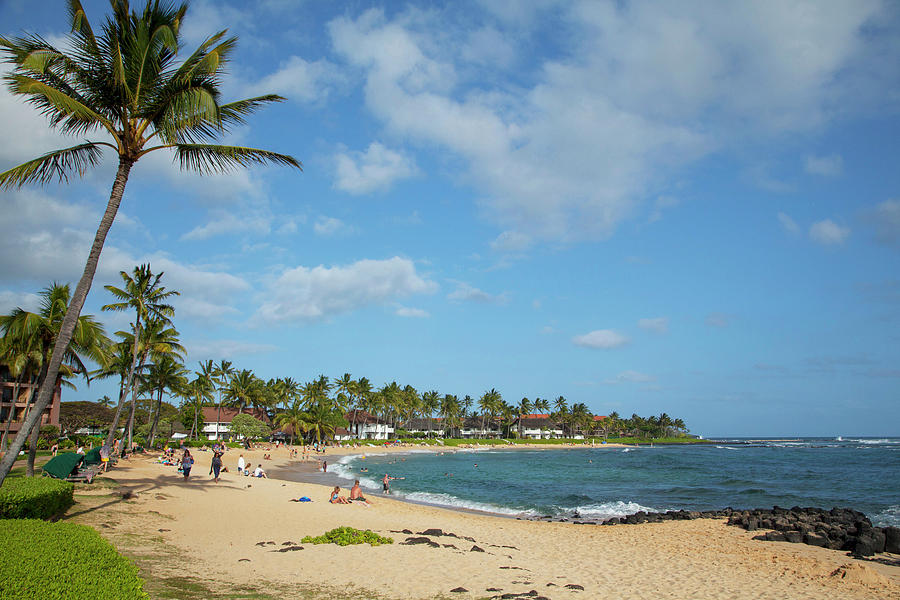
pixel 243 534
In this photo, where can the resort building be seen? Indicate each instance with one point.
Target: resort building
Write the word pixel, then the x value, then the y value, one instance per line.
pixel 421 425
pixel 217 422
pixel 362 425
pixel 15 407
pixel 476 427
pixel 539 427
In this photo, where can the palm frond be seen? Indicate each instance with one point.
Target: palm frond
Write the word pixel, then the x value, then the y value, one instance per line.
pixel 81 27
pixel 51 101
pixel 211 158
pixel 234 112
pixel 54 165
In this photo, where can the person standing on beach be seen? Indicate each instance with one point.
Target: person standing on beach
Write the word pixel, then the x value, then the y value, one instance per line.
pixel 324 466
pixel 241 464
pixel 386 484
pixel 187 461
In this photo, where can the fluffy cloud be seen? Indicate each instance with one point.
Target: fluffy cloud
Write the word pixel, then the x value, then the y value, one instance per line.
pixel 11 300
pixel 226 223
pixel 300 80
pixel 657 324
pixel 466 293
pixel 827 166
pixel 601 338
pixel 303 294
pixel 828 232
pixel 579 151
pixel 375 169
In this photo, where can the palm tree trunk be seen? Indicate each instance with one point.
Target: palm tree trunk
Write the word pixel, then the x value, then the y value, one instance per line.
pixel 73 312
pixel 155 418
pixel 115 422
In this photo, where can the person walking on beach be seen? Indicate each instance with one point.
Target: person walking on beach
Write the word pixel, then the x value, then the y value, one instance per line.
pixel 216 465
pixel 187 461
pixel 104 456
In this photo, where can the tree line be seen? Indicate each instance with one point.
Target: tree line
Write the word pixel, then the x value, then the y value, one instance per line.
pixel 148 361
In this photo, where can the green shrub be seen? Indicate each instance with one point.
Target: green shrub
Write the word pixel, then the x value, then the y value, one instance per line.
pixel 65 561
pixel 34 498
pixel 348 536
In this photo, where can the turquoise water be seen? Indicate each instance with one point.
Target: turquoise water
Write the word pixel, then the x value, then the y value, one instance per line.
pixel 600 483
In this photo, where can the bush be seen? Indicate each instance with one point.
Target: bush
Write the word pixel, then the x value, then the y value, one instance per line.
pixel 65 561
pixel 348 536
pixel 34 498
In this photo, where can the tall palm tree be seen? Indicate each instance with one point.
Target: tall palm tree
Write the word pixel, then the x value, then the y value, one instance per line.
pixel 142 293
pixel 221 377
pixel 157 339
pixel 294 417
pixel 164 374
pixel 40 332
pixel 490 403
pixel 23 360
pixel 128 85
pixel 431 402
pixel 242 389
pixel 198 391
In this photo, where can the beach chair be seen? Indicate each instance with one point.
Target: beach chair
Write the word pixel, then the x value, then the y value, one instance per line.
pixel 67 466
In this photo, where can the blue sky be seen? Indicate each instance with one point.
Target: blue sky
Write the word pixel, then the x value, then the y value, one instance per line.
pixel 643 206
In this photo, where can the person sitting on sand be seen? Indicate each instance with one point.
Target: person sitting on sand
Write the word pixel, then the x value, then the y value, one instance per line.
pixel 336 497
pixel 356 494
pixel 259 472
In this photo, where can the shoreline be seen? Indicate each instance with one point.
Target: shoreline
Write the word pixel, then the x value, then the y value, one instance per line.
pixel 247 525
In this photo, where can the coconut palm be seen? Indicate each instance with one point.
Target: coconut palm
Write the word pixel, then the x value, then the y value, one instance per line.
pixel 23 360
pixel 198 391
pixel 39 332
pixel 157 339
pixel 242 389
pixel 141 292
pixel 294 417
pixel 164 374
pixel 127 84
pixel 524 408
pixel 490 403
pixel 221 377
pixel 431 402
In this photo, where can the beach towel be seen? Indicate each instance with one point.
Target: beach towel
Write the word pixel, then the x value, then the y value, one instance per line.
pixel 301 499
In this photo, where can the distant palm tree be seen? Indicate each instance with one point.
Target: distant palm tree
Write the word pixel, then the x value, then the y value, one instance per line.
pixel 221 377
pixel 431 402
pixel 525 407
pixel 164 374
pixel 127 84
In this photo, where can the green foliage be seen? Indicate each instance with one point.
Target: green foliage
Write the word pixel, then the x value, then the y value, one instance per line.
pixel 348 536
pixel 249 427
pixel 34 498
pixel 64 561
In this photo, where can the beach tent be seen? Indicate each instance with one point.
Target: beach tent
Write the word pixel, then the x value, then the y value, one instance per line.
pixel 178 436
pixel 63 465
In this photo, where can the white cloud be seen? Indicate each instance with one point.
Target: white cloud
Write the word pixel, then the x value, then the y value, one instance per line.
pixel 827 166
pixel 466 293
pixel 416 313
pixel 787 223
pixel 574 154
pixel 9 301
pixel 601 338
pixel 511 241
pixel 300 80
pixel 828 232
pixel 328 226
pixel 303 294
pixel 375 169
pixel 488 46
pixel 656 324
pixel 630 377
pixel 229 223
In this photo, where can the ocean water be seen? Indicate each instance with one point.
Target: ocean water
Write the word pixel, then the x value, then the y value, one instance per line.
pixel 599 483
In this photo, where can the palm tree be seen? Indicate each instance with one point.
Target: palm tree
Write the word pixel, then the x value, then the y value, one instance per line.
pixel 142 293
pixel 165 374
pixel 198 391
pixel 126 84
pixel 23 361
pixel 157 339
pixel 39 332
pixel 431 402
pixel 490 404
pixel 241 389
pixel 221 377
pixel 294 417
pixel 525 407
